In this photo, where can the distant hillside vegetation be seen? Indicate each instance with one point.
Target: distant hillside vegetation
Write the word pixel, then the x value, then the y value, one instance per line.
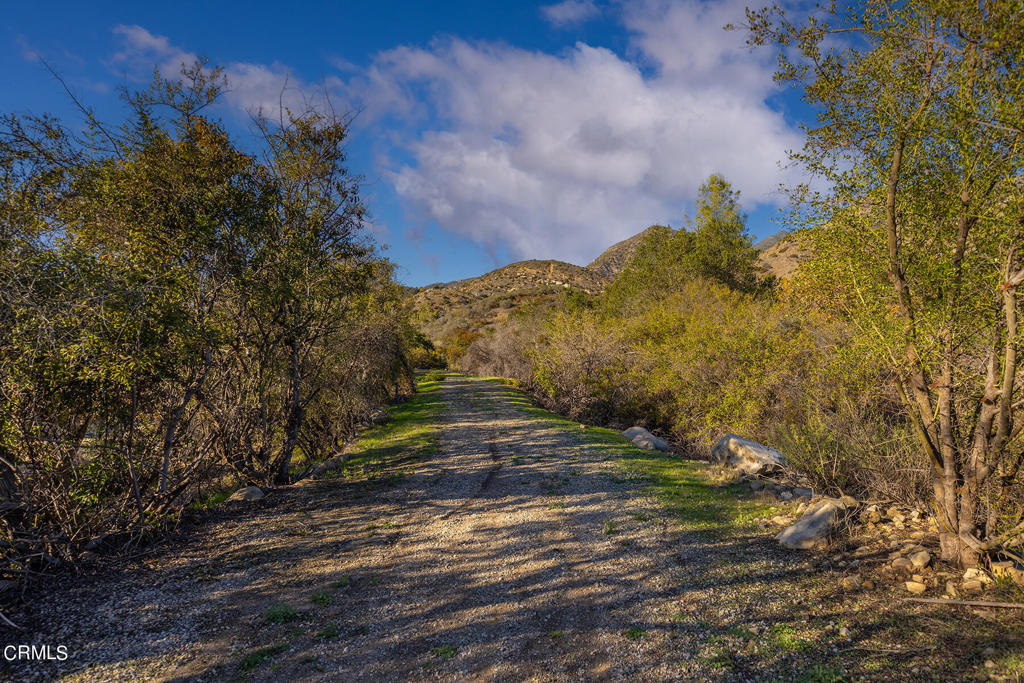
pixel 477 304
pixel 615 258
pixel 480 302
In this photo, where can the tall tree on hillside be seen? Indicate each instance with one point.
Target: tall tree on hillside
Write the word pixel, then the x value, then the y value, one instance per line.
pixel 721 248
pixel 920 107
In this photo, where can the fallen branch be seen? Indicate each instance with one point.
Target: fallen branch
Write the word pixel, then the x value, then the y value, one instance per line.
pixel 10 623
pixel 972 603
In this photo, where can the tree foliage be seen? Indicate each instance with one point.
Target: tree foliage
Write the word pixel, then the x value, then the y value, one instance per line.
pixel 918 242
pixel 176 307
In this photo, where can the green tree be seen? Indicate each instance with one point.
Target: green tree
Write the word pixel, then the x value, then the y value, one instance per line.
pixel 918 241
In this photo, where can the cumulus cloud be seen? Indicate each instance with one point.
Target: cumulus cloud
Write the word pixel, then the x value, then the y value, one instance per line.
pixel 251 87
pixel 560 155
pixel 570 12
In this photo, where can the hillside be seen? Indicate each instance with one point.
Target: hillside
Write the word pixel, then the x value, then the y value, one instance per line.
pixel 615 258
pixel 479 303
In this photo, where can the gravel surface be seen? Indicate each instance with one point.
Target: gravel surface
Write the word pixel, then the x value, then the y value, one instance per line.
pixel 517 552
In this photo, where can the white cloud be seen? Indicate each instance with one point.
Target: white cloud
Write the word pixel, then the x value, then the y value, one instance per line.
pixel 559 156
pixel 251 87
pixel 570 12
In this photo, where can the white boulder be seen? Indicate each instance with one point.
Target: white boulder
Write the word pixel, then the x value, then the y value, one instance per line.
pixel 814 526
pixel 746 455
pixel 248 493
pixel 644 439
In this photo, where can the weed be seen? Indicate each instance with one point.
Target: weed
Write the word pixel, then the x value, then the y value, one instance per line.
pixel 785 638
pixel 556 506
pixel 279 614
pixel 556 634
pixel 328 633
pixel 257 657
pixel 635 633
pixel 721 659
pixel 322 598
pixel 342 582
pixel 641 518
pixel 443 652
pixel 610 527
pixel 819 673
pixel 625 543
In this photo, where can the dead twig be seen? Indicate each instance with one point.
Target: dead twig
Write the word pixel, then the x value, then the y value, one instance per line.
pixel 10 623
pixel 971 603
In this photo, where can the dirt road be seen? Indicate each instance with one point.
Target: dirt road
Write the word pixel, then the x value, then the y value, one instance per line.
pixel 520 550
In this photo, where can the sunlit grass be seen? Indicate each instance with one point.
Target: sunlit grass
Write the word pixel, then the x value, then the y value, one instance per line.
pixel 686 488
pixel 410 435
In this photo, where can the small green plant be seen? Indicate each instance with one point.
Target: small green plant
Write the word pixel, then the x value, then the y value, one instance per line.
pixel 641 518
pixel 322 598
pixel 721 659
pixel 819 673
pixel 556 634
pixel 328 633
pixel 610 527
pixel 785 637
pixel 257 657
pixel 635 633
pixel 342 582
pixel 279 614
pixel 434 376
pixel 556 506
pixel 443 652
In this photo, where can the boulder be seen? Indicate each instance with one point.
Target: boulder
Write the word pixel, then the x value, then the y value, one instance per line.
pixel 746 455
pixel 814 526
pixel 644 439
pixel 916 587
pixel 323 467
pixel 921 559
pixel 248 493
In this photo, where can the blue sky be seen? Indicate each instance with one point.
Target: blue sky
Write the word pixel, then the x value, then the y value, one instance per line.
pixel 488 132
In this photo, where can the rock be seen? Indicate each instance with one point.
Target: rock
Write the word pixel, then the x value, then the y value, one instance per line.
pixel 975 574
pixel 755 485
pixel 803 493
pixel 1007 570
pixel 248 493
pixel 801 508
pixel 644 439
pixel 786 495
pixel 634 432
pixel 902 563
pixel 782 521
pixel 814 526
pixel 849 501
pixel 844 632
pixel 871 516
pixel 862 551
pixel 951 589
pixel 747 455
pixel 921 559
pixel 971 586
pixel 326 466
pixel 868 584
pixel 916 587
pixel 850 583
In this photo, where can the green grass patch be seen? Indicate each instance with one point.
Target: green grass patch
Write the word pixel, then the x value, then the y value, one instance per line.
pixel 322 598
pixel 685 487
pixel 610 527
pixel 786 638
pixel 252 660
pixel 443 652
pixel 342 582
pixel 328 633
pixel 280 614
pixel 635 633
pixel 387 451
pixel 555 634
